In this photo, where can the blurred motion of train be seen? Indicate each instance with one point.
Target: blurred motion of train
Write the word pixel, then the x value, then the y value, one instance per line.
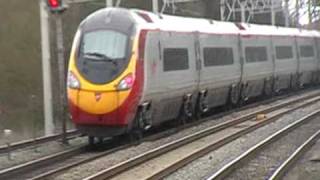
pixel 132 69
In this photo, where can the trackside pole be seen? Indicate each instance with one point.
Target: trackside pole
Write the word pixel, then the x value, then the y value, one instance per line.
pixel 46 69
pixel 243 12
pixel 109 3
pixel 297 13
pixel 56 7
pixel 273 14
pixel 286 13
pixel 155 6
pixel 62 82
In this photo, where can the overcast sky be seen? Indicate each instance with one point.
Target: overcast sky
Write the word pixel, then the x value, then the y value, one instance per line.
pixel 304 18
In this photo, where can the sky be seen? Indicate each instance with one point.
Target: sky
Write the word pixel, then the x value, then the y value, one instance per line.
pixel 304 18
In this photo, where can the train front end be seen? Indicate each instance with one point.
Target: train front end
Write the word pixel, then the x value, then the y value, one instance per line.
pixel 104 77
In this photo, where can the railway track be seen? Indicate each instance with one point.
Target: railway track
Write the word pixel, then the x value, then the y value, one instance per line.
pixel 63 161
pixel 74 133
pixel 162 161
pixel 288 163
pixel 48 165
pixel 33 142
pixel 243 161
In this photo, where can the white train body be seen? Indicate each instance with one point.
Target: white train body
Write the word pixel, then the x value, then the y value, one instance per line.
pixel 263 59
pixel 191 65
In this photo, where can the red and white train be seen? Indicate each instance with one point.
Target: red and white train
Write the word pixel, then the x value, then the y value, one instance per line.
pixel 132 69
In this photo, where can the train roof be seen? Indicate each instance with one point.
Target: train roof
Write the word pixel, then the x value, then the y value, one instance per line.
pixel 186 24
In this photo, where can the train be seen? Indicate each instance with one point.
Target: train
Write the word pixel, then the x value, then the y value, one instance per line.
pixel 130 69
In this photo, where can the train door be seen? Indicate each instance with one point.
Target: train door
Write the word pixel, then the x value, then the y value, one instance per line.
pixel 152 73
pixel 220 66
pixel 307 58
pixel 177 72
pixel 257 66
pixel 286 63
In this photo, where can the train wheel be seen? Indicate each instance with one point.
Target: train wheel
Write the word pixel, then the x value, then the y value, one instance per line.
pixel 188 108
pixel 100 140
pixel 268 88
pixel 198 112
pixel 300 81
pixel 182 119
pixel 91 140
pixel 276 86
pixel 143 119
pixel 136 134
pixel 234 95
pixel 317 77
pixel 186 112
pixel 294 82
pixel 314 78
pixel 202 104
pixel 243 95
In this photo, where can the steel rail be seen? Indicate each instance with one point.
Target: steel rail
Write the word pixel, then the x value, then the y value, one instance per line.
pixel 285 166
pixel 235 110
pixel 77 163
pixel 66 154
pixel 225 170
pixel 73 164
pixel 36 141
pixel 74 133
pixel 122 167
pixel 31 165
pixel 198 154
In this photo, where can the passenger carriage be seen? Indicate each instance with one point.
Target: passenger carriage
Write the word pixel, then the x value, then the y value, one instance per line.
pixel 132 69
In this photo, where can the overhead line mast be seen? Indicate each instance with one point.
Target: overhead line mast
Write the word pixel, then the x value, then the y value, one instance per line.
pixel 246 9
pixel 249 8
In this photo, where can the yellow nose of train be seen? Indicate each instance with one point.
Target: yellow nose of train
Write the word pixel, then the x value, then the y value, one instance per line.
pixel 88 100
pixel 105 75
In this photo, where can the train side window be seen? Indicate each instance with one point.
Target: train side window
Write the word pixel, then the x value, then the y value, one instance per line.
pixel 175 59
pixel 306 51
pixel 256 54
pixel 219 56
pixel 284 52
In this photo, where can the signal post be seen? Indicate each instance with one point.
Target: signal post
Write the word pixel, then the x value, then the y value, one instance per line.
pixel 46 69
pixel 57 7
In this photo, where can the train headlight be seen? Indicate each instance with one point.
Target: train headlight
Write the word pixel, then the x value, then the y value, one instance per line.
pixel 126 83
pixel 72 81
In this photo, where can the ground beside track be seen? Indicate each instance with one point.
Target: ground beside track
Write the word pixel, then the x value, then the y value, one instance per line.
pixel 41 150
pixel 37 151
pixel 52 147
pixel 212 162
pixel 308 167
pixel 265 162
pixel 108 161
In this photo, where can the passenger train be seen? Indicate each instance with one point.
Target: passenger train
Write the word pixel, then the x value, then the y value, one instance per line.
pixel 133 69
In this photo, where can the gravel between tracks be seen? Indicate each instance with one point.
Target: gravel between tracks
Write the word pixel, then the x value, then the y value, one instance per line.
pixel 308 167
pixel 35 152
pixel 212 162
pixel 265 162
pixel 41 150
pixel 95 166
